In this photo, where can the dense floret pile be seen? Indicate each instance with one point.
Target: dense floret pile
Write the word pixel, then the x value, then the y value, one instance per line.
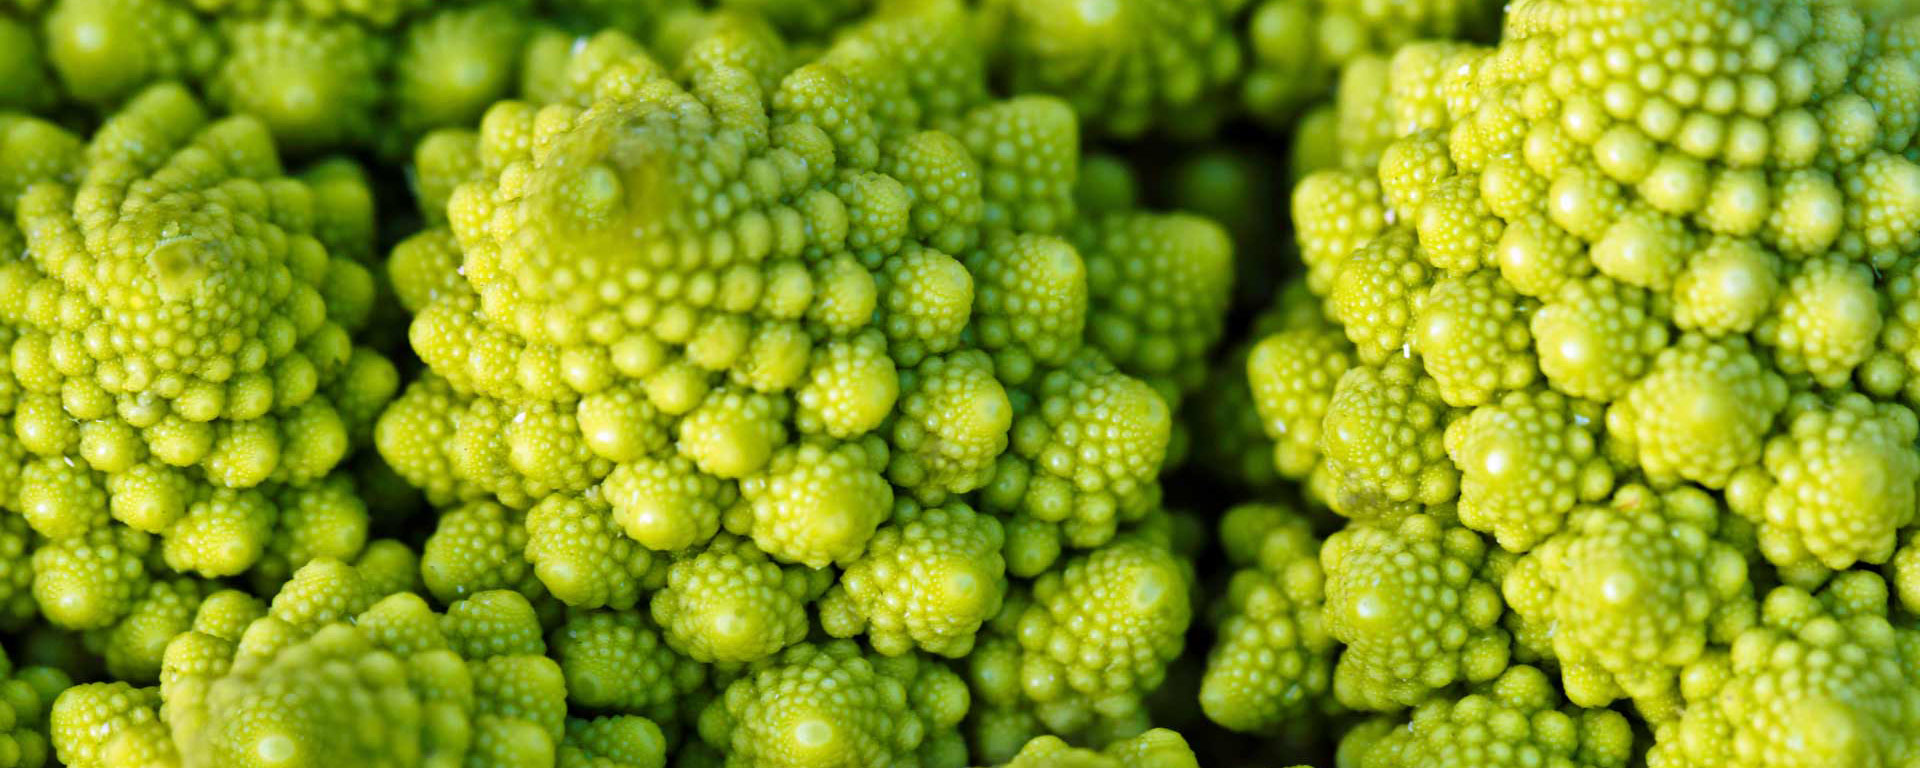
pixel 947 383
pixel 1183 67
pixel 1603 365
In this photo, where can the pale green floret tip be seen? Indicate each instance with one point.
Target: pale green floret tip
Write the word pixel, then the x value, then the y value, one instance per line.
pixel 1516 719
pixel 1630 305
pixel 1636 589
pixel 784 384
pixel 828 703
pixel 929 579
pixel 731 603
pixel 1274 661
pixel 1383 445
pixel 1418 606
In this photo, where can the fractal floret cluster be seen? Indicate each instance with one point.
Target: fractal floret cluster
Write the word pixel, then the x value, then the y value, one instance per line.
pixel 1601 348
pixel 721 341
pixel 948 383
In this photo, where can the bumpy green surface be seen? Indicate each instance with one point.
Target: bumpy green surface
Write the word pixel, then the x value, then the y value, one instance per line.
pixel 183 381
pixel 1516 719
pixel 1620 342
pixel 1631 592
pixel 319 75
pixel 826 383
pixel 754 347
pixel 1273 661
pixel 1136 67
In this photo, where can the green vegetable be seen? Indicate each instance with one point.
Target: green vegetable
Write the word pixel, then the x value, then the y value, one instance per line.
pixel 1516 719
pixel 832 704
pixel 1823 677
pixel 1273 661
pixel 1157 748
pixel 1132 67
pixel 925 383
pixel 319 75
pixel 1618 344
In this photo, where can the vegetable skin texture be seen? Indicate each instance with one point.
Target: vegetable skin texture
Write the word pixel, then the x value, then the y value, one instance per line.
pixel 321 76
pixel 830 703
pixel 1418 606
pixel 1273 661
pixel 1830 657
pixel 1156 748
pixel 247 686
pixel 1674 251
pixel 1535 729
pixel 1636 589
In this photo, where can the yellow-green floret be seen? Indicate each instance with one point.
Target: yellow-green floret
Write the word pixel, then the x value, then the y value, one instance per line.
pixel 931 577
pixel 1418 607
pixel 619 661
pixel 584 558
pixel 1085 454
pixel 1158 287
pixel 952 424
pixel 1093 638
pixel 1596 336
pixel 732 603
pixel 1383 442
pixel 1294 47
pixel 1823 679
pixel 1701 413
pixel 817 503
pixel 1471 334
pixel 177 310
pixel 615 741
pixel 104 51
pixel 1514 720
pixel 829 704
pixel 319 75
pixel 27 695
pixel 477 547
pixel 713 286
pixel 333 672
pixel 1126 67
pixel 1133 67
pixel 1294 374
pixel 1632 591
pixel 727 344
pixel 1645 272
pixel 1273 659
pixel 1839 483
pixel 1156 748
pixel 1524 461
